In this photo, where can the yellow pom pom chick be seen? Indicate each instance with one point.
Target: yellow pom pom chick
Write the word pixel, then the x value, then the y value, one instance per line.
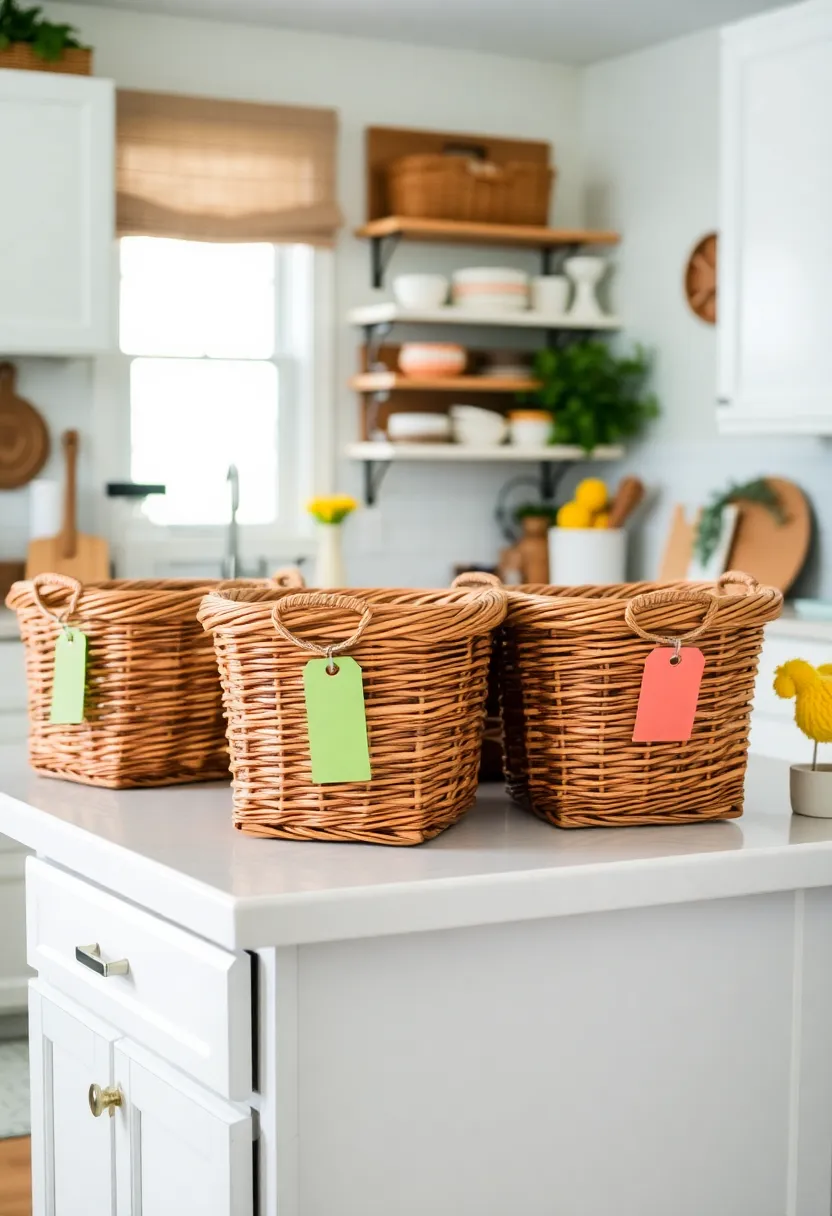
pixel 592 493
pixel 574 515
pixel 811 688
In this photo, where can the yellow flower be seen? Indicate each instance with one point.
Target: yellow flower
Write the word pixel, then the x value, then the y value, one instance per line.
pixel 331 508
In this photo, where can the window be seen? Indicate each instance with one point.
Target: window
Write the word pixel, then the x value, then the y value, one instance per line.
pixel 200 322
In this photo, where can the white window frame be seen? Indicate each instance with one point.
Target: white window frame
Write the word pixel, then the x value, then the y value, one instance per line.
pixel 304 355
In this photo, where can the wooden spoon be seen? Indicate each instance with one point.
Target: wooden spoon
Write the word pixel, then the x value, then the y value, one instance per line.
pixel 628 496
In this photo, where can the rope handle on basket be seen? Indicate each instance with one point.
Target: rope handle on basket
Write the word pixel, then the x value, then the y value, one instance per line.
pixel 318 599
pixel 289 576
pixel 476 578
pixel 736 578
pixel 656 599
pixel 57 580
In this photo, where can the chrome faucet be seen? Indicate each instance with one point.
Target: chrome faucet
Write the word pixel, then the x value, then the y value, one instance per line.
pixel 232 552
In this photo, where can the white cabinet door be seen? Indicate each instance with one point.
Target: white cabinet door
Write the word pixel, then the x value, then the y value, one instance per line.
pixel 72 1152
pixel 775 255
pixel 178 1148
pixel 56 213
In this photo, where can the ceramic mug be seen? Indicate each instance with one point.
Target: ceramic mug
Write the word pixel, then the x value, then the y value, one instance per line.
pixel 550 294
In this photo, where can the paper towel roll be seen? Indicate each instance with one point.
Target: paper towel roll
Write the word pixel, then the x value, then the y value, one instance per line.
pixel 44 508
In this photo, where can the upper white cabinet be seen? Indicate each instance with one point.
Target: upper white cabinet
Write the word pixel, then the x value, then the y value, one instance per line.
pixel 56 213
pixel 775 255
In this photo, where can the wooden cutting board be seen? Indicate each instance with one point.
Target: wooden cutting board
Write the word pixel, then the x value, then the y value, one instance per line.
pixel 773 553
pixel 86 558
pixel 24 438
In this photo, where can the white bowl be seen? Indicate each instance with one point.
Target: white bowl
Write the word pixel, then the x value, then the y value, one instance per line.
pixel 550 294
pixel 432 360
pixel 420 290
pixel 411 427
pixel 479 428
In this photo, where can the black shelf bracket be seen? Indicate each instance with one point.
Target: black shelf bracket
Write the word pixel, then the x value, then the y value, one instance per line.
pixel 382 249
pixel 375 472
pixel 551 475
pixel 553 257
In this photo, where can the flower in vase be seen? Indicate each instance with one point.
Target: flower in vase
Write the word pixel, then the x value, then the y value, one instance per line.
pixel 331 508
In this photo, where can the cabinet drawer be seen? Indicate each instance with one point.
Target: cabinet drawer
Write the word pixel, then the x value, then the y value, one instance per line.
pixel 182 997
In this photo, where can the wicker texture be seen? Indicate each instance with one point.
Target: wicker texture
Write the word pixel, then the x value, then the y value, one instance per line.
pixel 570 664
pixel 424 658
pixel 153 706
pixel 433 186
pixel 74 61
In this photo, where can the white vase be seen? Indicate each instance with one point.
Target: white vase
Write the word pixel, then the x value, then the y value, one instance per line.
pixel 811 790
pixel 586 273
pixel 329 567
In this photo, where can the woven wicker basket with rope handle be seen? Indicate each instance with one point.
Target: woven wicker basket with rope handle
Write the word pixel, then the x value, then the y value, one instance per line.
pixel 424 657
pixel 153 711
pixel 570 663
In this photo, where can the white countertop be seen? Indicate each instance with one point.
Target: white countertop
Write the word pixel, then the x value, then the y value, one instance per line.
pixel 175 851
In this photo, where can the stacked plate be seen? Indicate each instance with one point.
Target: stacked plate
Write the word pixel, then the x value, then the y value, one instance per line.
pixel 490 289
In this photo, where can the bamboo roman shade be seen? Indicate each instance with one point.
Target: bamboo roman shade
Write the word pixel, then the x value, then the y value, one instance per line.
pixel 207 170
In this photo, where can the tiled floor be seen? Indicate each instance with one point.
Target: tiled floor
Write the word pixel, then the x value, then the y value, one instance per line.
pixel 14 1089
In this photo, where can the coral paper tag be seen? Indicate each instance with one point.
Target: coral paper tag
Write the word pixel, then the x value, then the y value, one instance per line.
pixel 337 721
pixel 69 677
pixel 669 693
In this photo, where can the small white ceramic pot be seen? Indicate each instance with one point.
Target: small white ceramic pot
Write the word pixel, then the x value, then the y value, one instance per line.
pixel 811 790
pixel 550 294
pixel 586 273
pixel 587 555
pixel 529 428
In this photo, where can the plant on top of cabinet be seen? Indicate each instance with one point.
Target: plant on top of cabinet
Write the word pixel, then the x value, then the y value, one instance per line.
pixel 595 397
pixel 29 41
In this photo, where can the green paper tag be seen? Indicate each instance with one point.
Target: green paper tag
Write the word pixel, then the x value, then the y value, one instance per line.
pixel 337 722
pixel 69 681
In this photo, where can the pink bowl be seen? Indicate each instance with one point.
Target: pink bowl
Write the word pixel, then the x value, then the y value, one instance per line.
pixel 432 360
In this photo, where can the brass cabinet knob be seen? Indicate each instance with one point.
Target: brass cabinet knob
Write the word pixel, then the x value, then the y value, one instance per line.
pixel 104 1099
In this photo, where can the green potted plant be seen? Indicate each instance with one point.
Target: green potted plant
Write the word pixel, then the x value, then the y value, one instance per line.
pixel 29 42
pixel 592 396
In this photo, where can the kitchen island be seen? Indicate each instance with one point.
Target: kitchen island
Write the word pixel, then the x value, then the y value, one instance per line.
pixel 509 1021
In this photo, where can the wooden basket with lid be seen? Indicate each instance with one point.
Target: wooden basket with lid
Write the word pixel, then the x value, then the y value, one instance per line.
pixel 153 712
pixel 424 657
pixel 570 662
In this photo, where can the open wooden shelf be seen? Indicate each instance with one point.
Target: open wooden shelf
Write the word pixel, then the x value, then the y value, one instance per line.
pixel 388 382
pixel 459 232
pixel 437 452
pixel 390 313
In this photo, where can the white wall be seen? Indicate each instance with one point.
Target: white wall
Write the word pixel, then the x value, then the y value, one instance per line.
pixel 651 144
pixel 429 518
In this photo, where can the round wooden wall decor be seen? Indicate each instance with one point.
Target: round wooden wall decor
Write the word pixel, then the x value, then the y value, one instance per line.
pixel 24 439
pixel 700 279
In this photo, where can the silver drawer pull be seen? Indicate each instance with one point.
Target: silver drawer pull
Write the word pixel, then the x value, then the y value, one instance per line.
pixel 90 956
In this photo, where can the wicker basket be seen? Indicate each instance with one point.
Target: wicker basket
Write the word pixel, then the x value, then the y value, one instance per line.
pixel 424 658
pixel 570 668
pixel 433 186
pixel 74 61
pixel 153 707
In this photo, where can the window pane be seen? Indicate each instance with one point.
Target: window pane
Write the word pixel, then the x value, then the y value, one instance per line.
pixel 190 298
pixel 191 419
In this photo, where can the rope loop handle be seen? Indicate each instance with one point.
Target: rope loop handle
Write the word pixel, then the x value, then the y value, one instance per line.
pixel 657 599
pixel 57 580
pixel 290 577
pixel 736 578
pixel 318 599
pixel 475 578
